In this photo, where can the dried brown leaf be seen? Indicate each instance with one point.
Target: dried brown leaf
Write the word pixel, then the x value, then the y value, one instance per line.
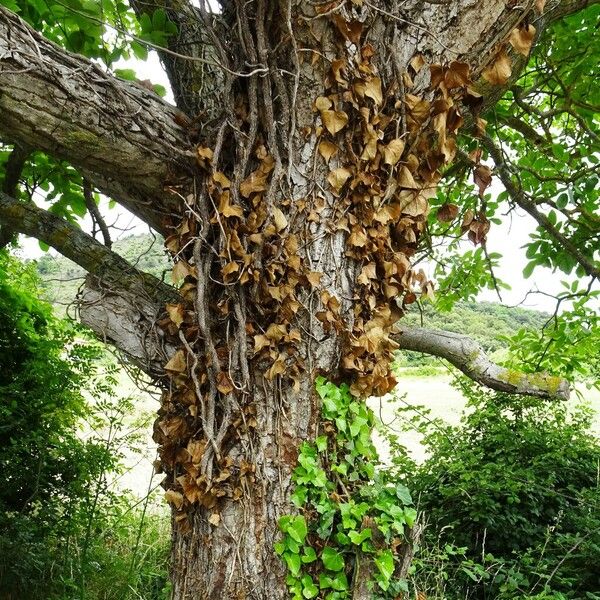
pixel 255 182
pixel 261 341
pixel 177 364
pixel 323 103
pixel 204 156
pixel 373 90
pixel 406 180
pixel 224 384
pixel 483 178
pixel 417 62
pixel 280 221
pixel 338 177
pixel 521 39
pixel 447 213
pixel 499 71
pixel 175 498
pixel 221 179
pixel 327 150
pixel 176 313
pixel 314 278
pixel 392 152
pixel 334 120
pixel 181 270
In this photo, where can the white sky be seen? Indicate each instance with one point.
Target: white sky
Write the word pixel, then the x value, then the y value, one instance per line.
pixel 507 239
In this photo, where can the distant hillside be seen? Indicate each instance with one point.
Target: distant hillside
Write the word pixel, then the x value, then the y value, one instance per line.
pixel 61 278
pixel 484 321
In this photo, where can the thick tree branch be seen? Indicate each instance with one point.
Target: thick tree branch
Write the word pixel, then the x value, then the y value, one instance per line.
pixel 521 199
pixel 128 322
pixel 81 248
pixel 120 303
pixel 557 9
pixel 527 131
pixel 554 10
pixel 468 356
pixel 122 137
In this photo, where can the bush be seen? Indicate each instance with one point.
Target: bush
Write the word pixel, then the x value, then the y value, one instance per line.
pixel 63 533
pixel 512 499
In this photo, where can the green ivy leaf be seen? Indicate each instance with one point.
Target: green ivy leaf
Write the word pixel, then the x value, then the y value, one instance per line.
pixel 309 555
pixel 358 538
pixel 403 494
pixel 297 528
pixel 309 589
pixel 293 562
pixel 410 515
pixel 332 559
pixel 385 563
pixel 321 443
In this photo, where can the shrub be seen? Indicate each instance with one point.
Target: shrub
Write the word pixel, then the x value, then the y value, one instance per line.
pixel 515 486
pixel 63 533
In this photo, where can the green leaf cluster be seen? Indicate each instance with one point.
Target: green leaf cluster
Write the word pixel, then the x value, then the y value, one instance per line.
pixel 347 508
pixel 64 532
pixel 512 500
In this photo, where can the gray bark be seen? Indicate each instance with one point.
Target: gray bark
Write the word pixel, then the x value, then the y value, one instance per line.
pixel 468 356
pixel 128 321
pixel 122 137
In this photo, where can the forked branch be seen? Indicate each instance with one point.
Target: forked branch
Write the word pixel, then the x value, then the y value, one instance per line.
pixel 517 195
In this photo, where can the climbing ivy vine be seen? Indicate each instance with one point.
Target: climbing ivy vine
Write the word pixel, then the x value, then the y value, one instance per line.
pixel 352 518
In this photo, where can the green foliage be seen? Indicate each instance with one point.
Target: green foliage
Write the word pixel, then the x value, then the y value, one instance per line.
pixel 40 397
pixel 557 97
pixel 107 30
pixel 63 532
pixel 347 508
pixel 104 30
pixel 512 500
pixel 547 130
pixel 568 343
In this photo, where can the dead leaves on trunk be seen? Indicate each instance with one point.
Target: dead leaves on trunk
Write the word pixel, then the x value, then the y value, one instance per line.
pixel 382 146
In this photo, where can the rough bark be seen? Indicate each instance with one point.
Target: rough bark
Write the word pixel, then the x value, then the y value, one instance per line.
pixel 122 137
pixel 128 321
pixel 237 542
pixel 468 356
pixel 190 60
pixel 12 173
pixel 96 258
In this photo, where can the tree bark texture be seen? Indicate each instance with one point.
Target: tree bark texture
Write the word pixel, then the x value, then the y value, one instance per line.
pixel 124 138
pixel 291 233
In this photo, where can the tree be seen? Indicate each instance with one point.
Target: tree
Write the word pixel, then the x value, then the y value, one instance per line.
pixel 292 184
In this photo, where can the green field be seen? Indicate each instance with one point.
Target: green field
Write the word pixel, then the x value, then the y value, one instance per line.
pixel 435 392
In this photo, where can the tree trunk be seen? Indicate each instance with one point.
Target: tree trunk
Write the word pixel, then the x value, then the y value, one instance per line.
pixel 307 211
